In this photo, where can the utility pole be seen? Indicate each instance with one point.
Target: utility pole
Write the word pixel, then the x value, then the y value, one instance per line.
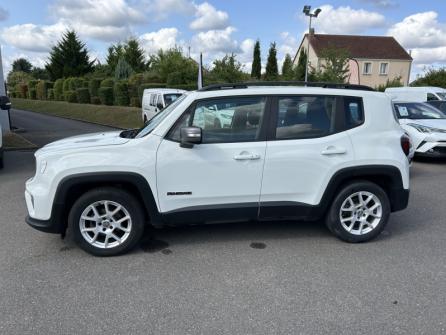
pixel 2 78
pixel 307 12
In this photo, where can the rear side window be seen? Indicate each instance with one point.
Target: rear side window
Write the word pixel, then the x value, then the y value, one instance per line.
pixel 152 99
pixel 305 117
pixel 354 112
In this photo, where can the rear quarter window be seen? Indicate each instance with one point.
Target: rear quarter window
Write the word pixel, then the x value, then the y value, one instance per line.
pixel 353 112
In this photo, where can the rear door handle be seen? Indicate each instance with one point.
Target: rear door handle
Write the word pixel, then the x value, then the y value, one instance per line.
pixel 331 150
pixel 246 156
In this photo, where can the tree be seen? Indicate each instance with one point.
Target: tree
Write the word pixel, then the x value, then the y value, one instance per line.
pixel 22 64
pixel 272 71
pixel 287 68
pixel 69 58
pixel 431 77
pixel 182 70
pixel 299 72
pixel 335 66
pixel 123 70
pixel 17 77
pixel 115 53
pixel 134 55
pixel 40 73
pixel 256 69
pixel 228 70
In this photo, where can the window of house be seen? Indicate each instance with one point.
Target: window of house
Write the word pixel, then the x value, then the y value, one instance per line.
pixel 367 68
pixel 384 68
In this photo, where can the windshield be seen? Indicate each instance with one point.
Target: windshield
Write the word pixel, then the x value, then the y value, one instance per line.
pixel 442 95
pixel 171 97
pixel 417 111
pixel 158 118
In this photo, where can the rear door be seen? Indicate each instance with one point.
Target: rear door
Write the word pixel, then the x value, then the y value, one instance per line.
pixel 307 145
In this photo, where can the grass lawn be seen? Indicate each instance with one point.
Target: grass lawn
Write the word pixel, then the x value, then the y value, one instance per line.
pixel 115 116
pixel 13 141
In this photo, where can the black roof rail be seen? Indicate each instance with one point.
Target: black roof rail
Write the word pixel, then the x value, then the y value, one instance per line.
pixel 228 86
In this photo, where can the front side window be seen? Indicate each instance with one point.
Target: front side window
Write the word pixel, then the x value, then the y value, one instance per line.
pixel 305 117
pixel 432 97
pixel 442 95
pixel 226 120
pixel 383 68
pixel 417 110
pixel 367 68
pixel 171 97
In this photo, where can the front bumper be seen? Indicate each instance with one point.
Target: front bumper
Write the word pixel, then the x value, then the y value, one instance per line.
pixel 47 226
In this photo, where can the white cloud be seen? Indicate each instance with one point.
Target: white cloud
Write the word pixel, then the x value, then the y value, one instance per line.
pixel 209 18
pixel 246 54
pixel 31 37
pixel 382 3
pixel 428 56
pixel 161 9
pixel 420 30
pixel 346 20
pixel 164 38
pixel 216 41
pixel 4 14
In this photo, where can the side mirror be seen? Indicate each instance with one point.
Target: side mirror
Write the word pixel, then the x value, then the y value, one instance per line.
pixel 190 136
pixel 5 103
pixel 160 106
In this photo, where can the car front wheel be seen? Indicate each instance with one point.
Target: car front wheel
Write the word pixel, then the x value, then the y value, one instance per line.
pixel 359 212
pixel 106 221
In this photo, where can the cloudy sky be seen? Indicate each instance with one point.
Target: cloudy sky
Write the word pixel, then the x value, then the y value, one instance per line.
pixel 216 27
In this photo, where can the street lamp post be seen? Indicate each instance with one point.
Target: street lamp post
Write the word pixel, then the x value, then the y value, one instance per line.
pixel 307 12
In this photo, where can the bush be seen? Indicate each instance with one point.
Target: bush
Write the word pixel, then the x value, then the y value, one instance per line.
pixel 58 90
pixel 83 96
pixel 32 93
pixel 142 87
pixel 22 90
pixel 109 82
pixel 32 84
pixel 66 86
pixel 93 86
pixel 175 78
pixel 186 87
pixel 95 101
pixel 151 77
pixel 121 91
pixel 50 94
pixel 13 94
pixel 70 96
pixel 76 83
pixel 134 82
pixel 42 89
pixel 106 95
pixel 135 102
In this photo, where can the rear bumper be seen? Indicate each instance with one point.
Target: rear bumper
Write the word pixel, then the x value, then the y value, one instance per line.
pixel 399 199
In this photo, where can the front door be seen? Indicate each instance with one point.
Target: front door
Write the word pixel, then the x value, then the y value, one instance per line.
pixel 220 179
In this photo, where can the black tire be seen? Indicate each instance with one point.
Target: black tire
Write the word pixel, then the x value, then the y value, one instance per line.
pixel 333 220
pixel 131 205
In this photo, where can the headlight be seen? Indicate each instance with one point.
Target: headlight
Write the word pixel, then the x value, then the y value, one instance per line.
pixel 425 129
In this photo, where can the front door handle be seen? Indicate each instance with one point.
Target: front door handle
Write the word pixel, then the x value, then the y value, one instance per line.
pixel 246 156
pixel 332 150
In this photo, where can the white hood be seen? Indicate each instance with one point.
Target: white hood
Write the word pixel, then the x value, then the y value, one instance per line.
pixel 86 141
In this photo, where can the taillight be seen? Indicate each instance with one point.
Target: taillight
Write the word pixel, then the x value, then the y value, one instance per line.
pixel 405 144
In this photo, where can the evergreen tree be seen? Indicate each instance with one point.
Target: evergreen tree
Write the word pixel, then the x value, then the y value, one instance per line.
pixel 21 64
pixel 69 58
pixel 123 70
pixel 335 66
pixel 287 68
pixel 272 71
pixel 115 53
pixel 134 55
pixel 299 72
pixel 256 70
pixel 227 70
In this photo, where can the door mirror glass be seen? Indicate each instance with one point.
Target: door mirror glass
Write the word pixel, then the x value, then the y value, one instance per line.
pixel 159 106
pixel 5 103
pixel 190 136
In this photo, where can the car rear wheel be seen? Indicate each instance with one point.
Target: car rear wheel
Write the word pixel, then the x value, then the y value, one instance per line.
pixel 106 221
pixel 359 212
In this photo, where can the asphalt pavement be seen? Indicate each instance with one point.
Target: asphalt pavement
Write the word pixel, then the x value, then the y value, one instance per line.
pixel 269 278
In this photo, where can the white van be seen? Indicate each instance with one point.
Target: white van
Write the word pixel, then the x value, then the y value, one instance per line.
pixel 416 94
pixel 155 99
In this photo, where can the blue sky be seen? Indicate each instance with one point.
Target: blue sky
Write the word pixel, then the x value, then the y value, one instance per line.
pixel 216 27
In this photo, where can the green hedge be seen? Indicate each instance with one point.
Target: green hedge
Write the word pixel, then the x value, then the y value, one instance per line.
pixel 42 89
pixel 83 95
pixel 93 87
pixel 186 87
pixel 135 102
pixel 32 83
pixel 70 96
pixel 22 90
pixel 76 83
pixel 66 86
pixel 58 90
pixel 142 87
pixel 106 95
pixel 50 94
pixel 109 82
pixel 121 91
pixel 134 81
pixel 32 94
pixel 95 101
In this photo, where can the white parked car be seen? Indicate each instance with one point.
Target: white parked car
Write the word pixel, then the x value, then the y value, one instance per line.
pixel 426 126
pixel 291 153
pixel 416 94
pixel 154 100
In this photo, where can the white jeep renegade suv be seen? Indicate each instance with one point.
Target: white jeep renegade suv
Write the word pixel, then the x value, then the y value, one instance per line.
pixel 288 152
